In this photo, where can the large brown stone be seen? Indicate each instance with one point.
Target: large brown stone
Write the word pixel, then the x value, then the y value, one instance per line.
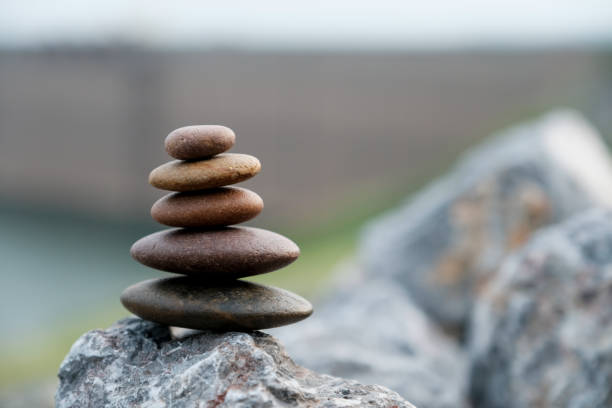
pixel 218 171
pixel 198 142
pixel 209 208
pixel 220 253
pixel 208 305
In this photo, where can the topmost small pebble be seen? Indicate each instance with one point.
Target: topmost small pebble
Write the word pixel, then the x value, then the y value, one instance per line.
pixel 199 142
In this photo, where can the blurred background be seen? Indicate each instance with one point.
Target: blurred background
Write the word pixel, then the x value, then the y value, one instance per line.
pixel 349 105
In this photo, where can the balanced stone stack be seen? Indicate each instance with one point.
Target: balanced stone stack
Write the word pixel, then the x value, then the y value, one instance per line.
pixel 210 254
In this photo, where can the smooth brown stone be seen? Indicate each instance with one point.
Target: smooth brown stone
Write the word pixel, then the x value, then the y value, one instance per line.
pixel 198 142
pixel 218 171
pixel 221 253
pixel 210 208
pixel 230 305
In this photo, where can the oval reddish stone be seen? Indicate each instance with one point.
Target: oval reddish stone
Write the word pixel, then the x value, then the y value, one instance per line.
pixel 208 208
pixel 222 253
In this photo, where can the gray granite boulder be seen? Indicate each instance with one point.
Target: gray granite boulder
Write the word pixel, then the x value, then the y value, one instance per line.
pixel 372 332
pixel 443 245
pixel 139 363
pixel 542 331
pixel 432 257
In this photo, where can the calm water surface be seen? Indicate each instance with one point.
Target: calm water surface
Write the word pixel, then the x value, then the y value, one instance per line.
pixel 56 265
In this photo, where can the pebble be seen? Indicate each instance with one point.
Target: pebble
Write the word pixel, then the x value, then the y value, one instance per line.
pixel 199 142
pixel 218 171
pixel 219 253
pixel 215 207
pixel 207 305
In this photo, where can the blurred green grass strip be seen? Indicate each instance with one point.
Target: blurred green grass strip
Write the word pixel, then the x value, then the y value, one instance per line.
pixel 40 354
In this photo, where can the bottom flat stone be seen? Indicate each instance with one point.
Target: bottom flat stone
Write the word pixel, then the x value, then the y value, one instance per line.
pixel 225 306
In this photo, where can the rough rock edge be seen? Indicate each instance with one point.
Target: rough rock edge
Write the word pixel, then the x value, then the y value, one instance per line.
pixel 138 363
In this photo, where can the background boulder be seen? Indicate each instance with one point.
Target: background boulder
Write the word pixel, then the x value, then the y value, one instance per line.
pixel 542 331
pixel 443 245
pixel 371 331
pixel 387 318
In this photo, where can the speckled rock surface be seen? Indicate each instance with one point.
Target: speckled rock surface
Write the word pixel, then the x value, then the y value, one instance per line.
pixel 421 266
pixel 210 208
pixel 372 332
pixel 218 171
pixel 226 253
pixel 542 332
pixel 137 363
pixel 443 245
pixel 225 305
pixel 199 141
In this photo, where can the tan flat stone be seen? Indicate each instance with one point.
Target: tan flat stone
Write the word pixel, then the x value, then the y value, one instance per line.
pixel 218 171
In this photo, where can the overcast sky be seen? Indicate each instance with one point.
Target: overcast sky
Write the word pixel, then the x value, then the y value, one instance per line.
pixel 306 24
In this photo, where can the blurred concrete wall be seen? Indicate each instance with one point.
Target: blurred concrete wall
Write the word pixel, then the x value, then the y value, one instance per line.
pixel 82 128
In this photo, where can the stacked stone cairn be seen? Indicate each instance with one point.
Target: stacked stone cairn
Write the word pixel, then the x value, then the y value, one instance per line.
pixel 210 254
